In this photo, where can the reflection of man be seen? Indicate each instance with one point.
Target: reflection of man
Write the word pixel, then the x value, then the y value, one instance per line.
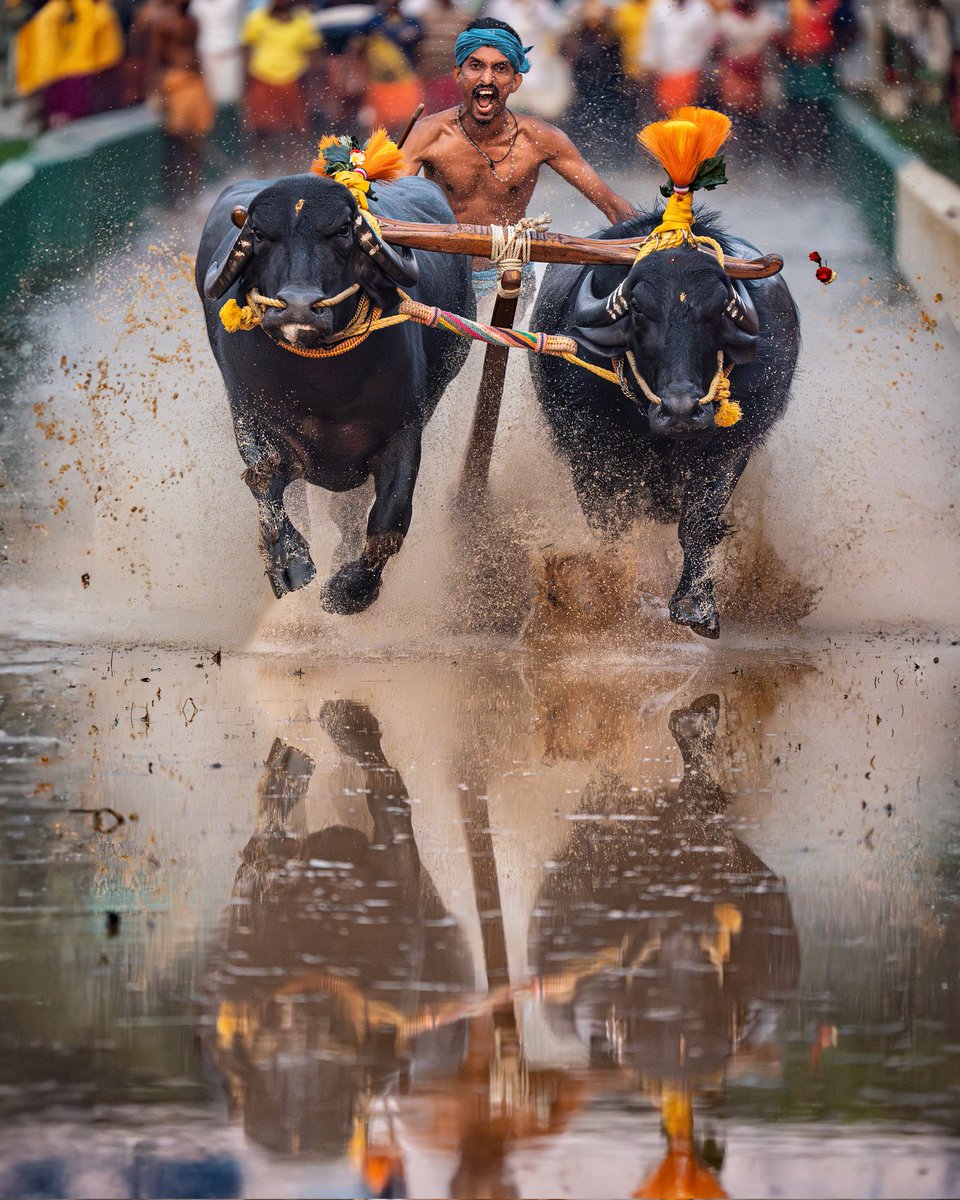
pixel 486 158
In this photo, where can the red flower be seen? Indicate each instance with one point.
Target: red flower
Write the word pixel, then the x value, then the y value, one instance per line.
pixel 814 256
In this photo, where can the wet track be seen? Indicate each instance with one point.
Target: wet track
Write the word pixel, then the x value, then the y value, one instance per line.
pixel 504 887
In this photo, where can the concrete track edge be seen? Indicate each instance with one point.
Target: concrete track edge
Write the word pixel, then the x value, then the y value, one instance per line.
pixel 911 210
pixel 79 191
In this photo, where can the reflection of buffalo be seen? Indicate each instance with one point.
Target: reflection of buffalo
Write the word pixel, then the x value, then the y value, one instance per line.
pixel 336 956
pixel 676 941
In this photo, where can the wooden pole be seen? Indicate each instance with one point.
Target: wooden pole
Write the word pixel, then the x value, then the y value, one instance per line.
pixel 483 433
pixel 410 124
pixel 548 247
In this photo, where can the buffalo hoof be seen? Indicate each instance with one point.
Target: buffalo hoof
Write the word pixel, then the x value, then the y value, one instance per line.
pixel 697 723
pixel 698 613
pixel 351 589
pixel 294 574
pixel 353 728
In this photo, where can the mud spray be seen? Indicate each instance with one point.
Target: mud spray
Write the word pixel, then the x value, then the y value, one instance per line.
pixel 125 517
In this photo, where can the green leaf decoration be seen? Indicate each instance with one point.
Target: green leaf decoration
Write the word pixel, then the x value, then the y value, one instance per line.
pixel 711 174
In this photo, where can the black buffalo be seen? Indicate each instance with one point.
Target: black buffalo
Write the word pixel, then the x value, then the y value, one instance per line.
pixel 332 421
pixel 671 313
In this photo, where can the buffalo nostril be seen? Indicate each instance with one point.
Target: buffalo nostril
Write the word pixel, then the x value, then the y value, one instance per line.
pixel 680 402
pixel 299 304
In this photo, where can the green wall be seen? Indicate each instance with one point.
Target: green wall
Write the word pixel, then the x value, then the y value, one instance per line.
pixel 868 161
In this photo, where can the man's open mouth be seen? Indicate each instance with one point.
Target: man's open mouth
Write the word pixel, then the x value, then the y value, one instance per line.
pixel 485 101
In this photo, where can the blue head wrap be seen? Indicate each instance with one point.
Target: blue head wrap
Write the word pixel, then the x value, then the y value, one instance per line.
pixel 498 39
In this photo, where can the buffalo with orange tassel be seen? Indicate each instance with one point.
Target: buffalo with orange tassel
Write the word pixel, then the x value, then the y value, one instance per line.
pixel 703 336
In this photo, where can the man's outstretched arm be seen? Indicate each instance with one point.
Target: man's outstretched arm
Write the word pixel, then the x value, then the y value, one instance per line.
pixel 416 146
pixel 570 165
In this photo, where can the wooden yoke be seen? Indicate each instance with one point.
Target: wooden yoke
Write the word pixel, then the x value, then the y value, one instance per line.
pixel 476 240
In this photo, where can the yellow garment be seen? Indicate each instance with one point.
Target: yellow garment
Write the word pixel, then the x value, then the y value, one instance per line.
pixel 386 62
pixel 630 26
pixel 67 37
pixel 279 50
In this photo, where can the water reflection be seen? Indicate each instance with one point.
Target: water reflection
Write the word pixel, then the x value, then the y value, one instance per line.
pixel 339 969
pixel 344 989
pixel 667 946
pixel 530 940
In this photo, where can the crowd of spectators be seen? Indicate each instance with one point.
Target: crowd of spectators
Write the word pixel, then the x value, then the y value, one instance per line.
pixel 294 69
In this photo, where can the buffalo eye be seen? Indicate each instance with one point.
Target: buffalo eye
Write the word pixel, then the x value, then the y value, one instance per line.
pixel 257 235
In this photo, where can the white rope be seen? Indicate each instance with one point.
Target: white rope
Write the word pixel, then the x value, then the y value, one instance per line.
pixel 655 399
pixel 510 247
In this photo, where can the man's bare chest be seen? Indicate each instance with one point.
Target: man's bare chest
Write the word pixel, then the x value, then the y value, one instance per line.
pixel 479 187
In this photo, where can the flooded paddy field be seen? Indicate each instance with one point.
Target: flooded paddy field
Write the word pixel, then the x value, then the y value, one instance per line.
pixel 505 887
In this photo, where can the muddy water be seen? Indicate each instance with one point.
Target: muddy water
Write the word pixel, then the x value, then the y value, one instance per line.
pixel 541 927
pixel 480 893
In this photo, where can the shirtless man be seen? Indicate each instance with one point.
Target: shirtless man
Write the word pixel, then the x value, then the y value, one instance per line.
pixel 486 158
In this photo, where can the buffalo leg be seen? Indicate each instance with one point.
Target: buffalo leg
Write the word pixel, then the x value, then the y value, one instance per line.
pixel 695 730
pixel 287 557
pixel 347 511
pixel 701 529
pixel 356 733
pixel 356 585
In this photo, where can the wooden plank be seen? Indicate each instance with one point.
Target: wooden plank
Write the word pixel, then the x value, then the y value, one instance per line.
pixel 476 240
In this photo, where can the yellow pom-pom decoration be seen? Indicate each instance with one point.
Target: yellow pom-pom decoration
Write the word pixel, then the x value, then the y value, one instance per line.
pixel 233 317
pixel 729 413
pixel 230 316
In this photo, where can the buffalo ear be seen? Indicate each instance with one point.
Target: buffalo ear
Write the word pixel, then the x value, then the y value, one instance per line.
pixel 381 290
pixel 399 264
pixel 605 341
pixel 739 347
pixel 238 214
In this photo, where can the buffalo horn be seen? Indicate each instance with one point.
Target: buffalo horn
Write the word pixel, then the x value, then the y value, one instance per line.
pixel 399 266
pixel 753 268
pixel 747 268
pixel 218 278
pixel 591 311
pixel 238 215
pixel 740 308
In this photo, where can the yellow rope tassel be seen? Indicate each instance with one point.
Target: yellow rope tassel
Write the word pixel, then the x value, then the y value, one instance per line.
pixel 729 411
pixel 236 318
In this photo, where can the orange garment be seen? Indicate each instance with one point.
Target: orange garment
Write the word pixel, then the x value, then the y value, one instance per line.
pixel 393 104
pixel 67 38
pixel 811 29
pixel 275 107
pixel 187 108
pixel 674 91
